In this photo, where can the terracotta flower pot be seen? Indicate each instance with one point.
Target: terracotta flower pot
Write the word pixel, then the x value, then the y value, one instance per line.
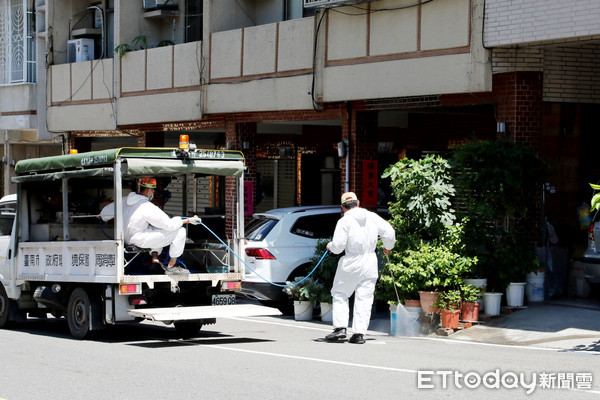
pixel 470 311
pixel 427 300
pixel 450 318
pixel 412 303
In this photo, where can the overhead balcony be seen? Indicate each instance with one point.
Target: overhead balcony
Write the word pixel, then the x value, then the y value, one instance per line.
pixel 146 86
pixel 287 65
pixel 18 107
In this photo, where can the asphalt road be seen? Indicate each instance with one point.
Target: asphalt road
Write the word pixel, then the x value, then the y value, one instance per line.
pixel 273 358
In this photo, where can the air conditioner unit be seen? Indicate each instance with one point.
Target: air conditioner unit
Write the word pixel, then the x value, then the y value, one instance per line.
pixel 331 3
pixel 80 50
pixel 159 5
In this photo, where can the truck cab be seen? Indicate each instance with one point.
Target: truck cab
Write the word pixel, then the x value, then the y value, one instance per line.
pixel 58 257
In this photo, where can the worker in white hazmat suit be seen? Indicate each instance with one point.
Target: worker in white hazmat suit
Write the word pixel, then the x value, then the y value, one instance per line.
pixel 356 233
pixel 147 226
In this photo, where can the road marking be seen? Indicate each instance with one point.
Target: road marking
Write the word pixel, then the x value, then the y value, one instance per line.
pixel 508 346
pixel 411 371
pixel 328 329
pixel 281 324
pixel 265 353
pixel 452 341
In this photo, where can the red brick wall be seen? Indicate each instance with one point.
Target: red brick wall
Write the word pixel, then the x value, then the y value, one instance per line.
pixel 519 104
pixel 518 97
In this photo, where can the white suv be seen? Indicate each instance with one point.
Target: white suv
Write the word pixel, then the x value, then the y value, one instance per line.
pixel 279 246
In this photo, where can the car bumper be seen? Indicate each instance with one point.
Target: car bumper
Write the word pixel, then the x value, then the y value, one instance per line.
pixel 262 291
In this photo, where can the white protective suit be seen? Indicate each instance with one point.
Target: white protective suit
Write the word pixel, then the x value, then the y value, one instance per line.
pixel 357 232
pixel 147 226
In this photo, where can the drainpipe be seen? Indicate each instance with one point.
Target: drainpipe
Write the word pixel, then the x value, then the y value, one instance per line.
pixel 347 143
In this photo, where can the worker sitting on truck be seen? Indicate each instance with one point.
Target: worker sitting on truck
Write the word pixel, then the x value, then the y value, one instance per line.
pixel 147 226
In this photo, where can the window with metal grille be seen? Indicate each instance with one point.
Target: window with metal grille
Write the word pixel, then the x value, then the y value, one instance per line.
pixel 17 41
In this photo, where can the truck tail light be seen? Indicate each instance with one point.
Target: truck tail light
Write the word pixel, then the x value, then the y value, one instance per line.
pixel 259 254
pixel 231 286
pixel 130 288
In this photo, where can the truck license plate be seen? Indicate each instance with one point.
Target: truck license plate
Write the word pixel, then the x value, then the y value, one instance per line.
pixel 223 299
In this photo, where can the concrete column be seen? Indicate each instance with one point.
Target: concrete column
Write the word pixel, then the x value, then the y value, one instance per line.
pixel 518 97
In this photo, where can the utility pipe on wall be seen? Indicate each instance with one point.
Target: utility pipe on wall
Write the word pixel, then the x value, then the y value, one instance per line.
pixel 347 143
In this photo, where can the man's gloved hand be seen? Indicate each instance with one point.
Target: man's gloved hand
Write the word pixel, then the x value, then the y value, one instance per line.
pixel 195 220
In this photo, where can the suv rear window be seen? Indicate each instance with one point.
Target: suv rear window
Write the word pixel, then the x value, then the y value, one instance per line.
pixel 318 226
pixel 258 228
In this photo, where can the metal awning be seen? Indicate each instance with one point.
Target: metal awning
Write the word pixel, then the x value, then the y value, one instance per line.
pixel 86 173
pixel 106 158
pixel 161 166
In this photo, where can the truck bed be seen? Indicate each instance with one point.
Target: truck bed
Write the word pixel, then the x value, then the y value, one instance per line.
pixel 98 261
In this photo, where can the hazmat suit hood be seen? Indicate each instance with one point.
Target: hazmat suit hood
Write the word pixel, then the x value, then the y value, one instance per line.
pixel 358 214
pixel 134 198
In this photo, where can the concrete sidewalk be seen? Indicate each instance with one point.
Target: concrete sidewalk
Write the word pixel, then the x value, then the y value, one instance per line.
pixel 565 324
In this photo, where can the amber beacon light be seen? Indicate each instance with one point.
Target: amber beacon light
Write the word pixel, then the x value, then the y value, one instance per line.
pixel 73 151
pixel 184 142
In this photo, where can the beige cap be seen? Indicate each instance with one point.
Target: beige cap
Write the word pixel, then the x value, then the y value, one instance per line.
pixel 349 196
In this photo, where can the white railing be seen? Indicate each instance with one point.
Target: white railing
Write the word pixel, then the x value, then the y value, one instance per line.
pixel 17 48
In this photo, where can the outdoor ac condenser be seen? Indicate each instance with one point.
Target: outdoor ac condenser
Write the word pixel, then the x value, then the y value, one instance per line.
pixel 80 50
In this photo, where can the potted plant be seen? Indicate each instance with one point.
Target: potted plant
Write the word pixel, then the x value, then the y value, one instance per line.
pixel 440 265
pixel 498 183
pixel 323 276
pixel 399 283
pixel 469 308
pixel 516 259
pixel 303 291
pixel 449 304
pixel 420 216
pixel 139 43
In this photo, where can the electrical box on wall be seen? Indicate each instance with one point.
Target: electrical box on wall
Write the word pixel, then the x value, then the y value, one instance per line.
pixel 80 50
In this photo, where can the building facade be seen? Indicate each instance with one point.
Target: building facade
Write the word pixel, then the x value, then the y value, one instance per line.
pixel 321 96
pixel 22 101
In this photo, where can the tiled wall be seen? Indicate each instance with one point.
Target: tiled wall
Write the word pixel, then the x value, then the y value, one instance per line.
pixel 529 21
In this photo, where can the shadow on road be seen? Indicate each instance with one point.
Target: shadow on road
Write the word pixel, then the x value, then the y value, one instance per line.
pixel 143 335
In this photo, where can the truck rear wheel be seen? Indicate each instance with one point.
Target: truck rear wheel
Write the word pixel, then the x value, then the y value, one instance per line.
pixel 188 329
pixel 80 313
pixel 4 307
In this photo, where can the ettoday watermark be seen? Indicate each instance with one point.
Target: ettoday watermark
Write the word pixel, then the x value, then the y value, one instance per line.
pixel 504 380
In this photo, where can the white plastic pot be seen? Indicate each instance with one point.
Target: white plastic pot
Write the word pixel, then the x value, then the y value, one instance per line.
pixel 515 293
pixel 492 303
pixel 303 310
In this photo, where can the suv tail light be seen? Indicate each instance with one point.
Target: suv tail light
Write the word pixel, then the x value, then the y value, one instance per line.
pixel 259 254
pixel 591 232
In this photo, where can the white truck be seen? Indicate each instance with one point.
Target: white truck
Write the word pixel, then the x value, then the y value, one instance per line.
pixel 57 257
